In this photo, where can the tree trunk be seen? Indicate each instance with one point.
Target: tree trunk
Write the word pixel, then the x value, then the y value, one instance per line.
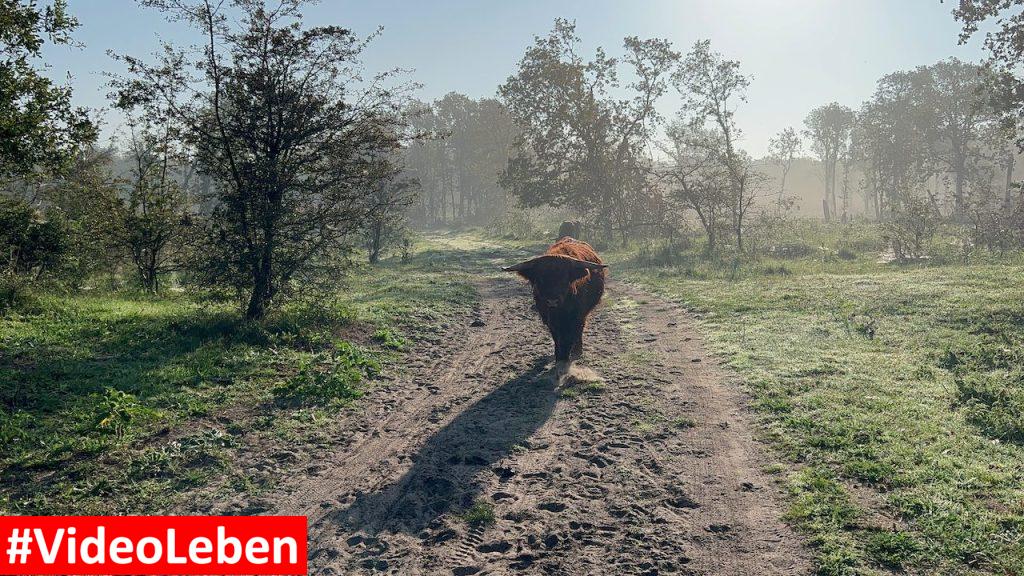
pixel 958 190
pixel 261 285
pixel 1010 160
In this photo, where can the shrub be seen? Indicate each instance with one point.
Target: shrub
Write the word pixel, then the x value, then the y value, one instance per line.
pixel 514 224
pixel 330 377
pixel 910 228
pixel 792 250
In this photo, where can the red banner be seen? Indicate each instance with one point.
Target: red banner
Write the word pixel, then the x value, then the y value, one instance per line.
pixel 153 545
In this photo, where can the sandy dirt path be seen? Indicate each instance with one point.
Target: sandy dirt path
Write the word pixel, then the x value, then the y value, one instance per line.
pixel 655 472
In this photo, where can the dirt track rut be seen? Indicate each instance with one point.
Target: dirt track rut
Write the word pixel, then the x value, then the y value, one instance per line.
pixel 656 472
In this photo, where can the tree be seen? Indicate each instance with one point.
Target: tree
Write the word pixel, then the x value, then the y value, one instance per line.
pixel 39 127
pixel 579 146
pixel 782 150
pixel 147 214
pixel 458 166
pixel 696 180
pixel 829 127
pixel 385 223
pixel 1005 45
pixel 957 108
pixel 892 142
pixel 711 87
pixel 279 116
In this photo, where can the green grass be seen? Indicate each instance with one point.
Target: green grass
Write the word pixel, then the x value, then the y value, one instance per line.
pixel 119 403
pixel 479 514
pixel 893 394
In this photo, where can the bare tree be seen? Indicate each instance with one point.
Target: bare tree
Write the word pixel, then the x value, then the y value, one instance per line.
pixel 782 150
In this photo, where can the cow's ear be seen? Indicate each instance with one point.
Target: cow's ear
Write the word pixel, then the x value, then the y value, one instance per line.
pixel 575 273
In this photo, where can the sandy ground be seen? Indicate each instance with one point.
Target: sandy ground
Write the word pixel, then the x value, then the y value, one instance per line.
pixel 655 472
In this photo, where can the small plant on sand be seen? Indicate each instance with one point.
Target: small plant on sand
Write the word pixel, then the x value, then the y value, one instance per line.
pixel 683 423
pixel 479 514
pixel 387 338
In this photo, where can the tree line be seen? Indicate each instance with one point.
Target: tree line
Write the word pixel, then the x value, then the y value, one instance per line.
pixel 263 159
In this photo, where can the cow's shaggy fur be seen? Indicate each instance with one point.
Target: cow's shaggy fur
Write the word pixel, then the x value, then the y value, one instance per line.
pixel 568 282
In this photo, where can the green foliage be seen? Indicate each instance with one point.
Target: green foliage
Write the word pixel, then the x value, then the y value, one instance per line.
pixel 330 142
pixel 41 128
pixel 118 410
pixel 387 338
pixel 479 514
pixel 330 378
pixel 32 243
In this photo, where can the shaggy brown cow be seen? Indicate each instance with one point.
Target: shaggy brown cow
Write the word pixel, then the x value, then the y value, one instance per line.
pixel 568 282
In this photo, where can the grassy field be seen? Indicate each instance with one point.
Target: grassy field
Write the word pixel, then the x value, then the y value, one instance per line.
pixel 113 403
pixel 893 395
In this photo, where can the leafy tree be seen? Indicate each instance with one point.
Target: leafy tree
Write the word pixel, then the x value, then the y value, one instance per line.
pixel 386 222
pixel 892 143
pixel 31 243
pixel 829 127
pixel 39 128
pixel 458 166
pixel 958 109
pixel 579 146
pixel 279 116
pixel 1005 45
pixel 696 180
pixel 147 212
pixel 712 87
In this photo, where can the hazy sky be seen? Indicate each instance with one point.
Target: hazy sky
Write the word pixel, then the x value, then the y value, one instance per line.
pixel 801 53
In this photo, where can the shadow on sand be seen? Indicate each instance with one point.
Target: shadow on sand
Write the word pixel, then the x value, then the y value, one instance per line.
pixel 443 478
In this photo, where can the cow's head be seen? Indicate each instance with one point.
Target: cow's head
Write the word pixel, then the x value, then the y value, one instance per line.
pixel 552 275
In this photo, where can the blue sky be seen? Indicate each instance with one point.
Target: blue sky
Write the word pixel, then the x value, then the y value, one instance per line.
pixel 801 53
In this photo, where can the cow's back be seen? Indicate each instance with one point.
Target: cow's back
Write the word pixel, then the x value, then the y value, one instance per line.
pixel 590 287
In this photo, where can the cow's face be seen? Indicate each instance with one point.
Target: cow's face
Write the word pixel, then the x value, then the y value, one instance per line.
pixel 552 277
pixel 553 285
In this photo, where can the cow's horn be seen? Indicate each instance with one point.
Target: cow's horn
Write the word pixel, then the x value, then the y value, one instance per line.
pixel 585 263
pixel 527 264
pixel 524 265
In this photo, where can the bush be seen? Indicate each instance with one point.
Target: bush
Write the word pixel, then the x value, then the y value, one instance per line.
pixel 662 252
pixel 32 244
pixel 14 294
pixel 910 228
pixel 792 250
pixel 330 378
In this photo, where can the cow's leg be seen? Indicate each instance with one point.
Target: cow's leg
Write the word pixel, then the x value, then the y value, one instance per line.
pixel 563 347
pixel 576 349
